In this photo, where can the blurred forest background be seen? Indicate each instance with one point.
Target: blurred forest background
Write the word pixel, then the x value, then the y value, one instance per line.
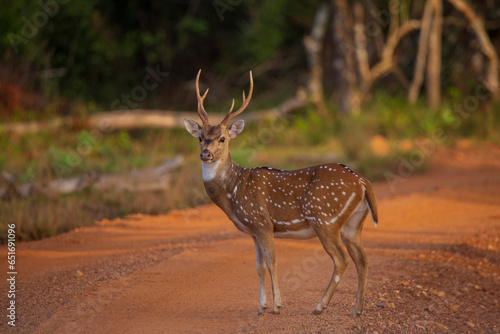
pixel 92 94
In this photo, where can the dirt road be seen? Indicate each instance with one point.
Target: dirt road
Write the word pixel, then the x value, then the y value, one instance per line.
pixel 434 266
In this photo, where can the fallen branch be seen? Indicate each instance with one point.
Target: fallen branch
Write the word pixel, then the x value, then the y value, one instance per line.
pixel 13 189
pixel 141 119
pixel 154 179
pixel 105 121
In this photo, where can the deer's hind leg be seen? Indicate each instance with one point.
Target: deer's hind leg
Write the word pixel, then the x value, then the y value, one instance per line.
pixel 351 236
pixel 330 239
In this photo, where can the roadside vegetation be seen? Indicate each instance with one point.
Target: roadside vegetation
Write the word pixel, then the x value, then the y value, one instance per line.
pixel 372 143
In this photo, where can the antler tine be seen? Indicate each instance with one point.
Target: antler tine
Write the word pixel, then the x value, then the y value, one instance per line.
pixel 246 101
pixel 232 106
pixel 201 110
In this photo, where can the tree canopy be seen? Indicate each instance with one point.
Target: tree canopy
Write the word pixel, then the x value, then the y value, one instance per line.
pixel 95 51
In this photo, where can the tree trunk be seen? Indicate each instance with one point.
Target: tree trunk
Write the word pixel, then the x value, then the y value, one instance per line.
pixel 433 83
pixel 361 45
pixel 314 48
pixel 344 59
pixel 423 44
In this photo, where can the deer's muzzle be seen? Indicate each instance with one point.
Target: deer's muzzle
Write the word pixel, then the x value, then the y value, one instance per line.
pixel 206 155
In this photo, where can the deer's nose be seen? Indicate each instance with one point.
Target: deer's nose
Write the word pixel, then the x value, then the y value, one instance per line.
pixel 206 155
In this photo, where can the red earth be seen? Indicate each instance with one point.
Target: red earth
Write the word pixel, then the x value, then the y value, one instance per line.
pixel 434 267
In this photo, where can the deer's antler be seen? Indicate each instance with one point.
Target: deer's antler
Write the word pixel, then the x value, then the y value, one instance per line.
pixel 201 110
pixel 246 101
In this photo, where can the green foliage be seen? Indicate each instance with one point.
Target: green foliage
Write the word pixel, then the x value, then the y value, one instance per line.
pixel 188 26
pixel 243 155
pixel 270 21
pixel 313 128
pixel 30 173
pixel 98 50
pixel 395 118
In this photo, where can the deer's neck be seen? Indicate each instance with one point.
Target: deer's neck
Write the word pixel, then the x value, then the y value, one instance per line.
pixel 220 178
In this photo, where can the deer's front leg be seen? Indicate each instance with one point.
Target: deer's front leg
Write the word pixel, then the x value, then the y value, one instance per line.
pixel 261 271
pixel 267 249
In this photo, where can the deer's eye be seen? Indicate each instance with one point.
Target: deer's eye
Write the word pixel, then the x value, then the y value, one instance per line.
pixel 222 139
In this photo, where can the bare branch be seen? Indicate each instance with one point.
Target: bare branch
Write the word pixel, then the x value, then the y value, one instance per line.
pixel 386 64
pixel 487 48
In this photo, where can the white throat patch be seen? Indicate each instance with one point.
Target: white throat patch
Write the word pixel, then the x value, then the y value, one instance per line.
pixel 209 170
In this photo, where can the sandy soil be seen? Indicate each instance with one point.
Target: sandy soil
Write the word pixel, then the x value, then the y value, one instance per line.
pixel 434 267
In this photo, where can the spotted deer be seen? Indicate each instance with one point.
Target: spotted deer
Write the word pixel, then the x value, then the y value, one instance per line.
pixel 329 201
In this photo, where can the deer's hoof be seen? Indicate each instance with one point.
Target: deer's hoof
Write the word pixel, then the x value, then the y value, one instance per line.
pixel 262 309
pixel 318 310
pixel 356 314
pixel 276 310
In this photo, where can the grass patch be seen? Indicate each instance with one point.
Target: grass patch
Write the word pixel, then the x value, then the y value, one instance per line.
pixel 39 216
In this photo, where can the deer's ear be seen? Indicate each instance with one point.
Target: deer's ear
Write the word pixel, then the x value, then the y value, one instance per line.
pixel 236 128
pixel 192 127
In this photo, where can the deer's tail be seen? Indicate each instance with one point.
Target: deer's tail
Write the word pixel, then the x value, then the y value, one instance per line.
pixel 372 202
